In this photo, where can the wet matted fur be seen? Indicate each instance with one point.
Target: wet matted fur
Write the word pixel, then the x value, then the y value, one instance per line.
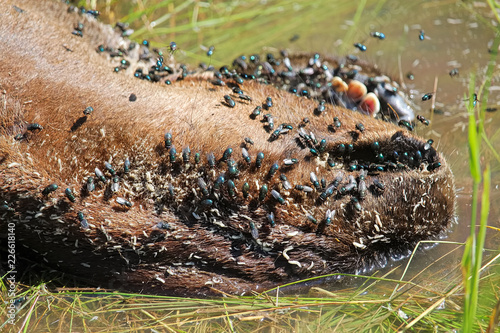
pixel 183 235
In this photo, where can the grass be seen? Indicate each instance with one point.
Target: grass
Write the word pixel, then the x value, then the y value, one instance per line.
pixel 377 303
pixel 231 25
pixel 473 252
pixel 460 297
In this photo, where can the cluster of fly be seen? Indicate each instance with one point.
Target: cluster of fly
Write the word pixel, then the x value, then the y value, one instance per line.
pixel 310 80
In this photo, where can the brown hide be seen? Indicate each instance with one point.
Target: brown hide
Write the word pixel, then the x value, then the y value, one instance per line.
pixel 227 243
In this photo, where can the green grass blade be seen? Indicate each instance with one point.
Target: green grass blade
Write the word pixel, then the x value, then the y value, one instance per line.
pixel 474 143
pixel 494 9
pixel 493 151
pixel 468 259
pixel 138 33
pixel 136 15
pixel 354 29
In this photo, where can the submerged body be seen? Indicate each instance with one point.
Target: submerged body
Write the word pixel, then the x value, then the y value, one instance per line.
pixel 177 190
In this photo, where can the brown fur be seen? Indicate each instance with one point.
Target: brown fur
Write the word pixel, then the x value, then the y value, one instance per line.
pixel 124 248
